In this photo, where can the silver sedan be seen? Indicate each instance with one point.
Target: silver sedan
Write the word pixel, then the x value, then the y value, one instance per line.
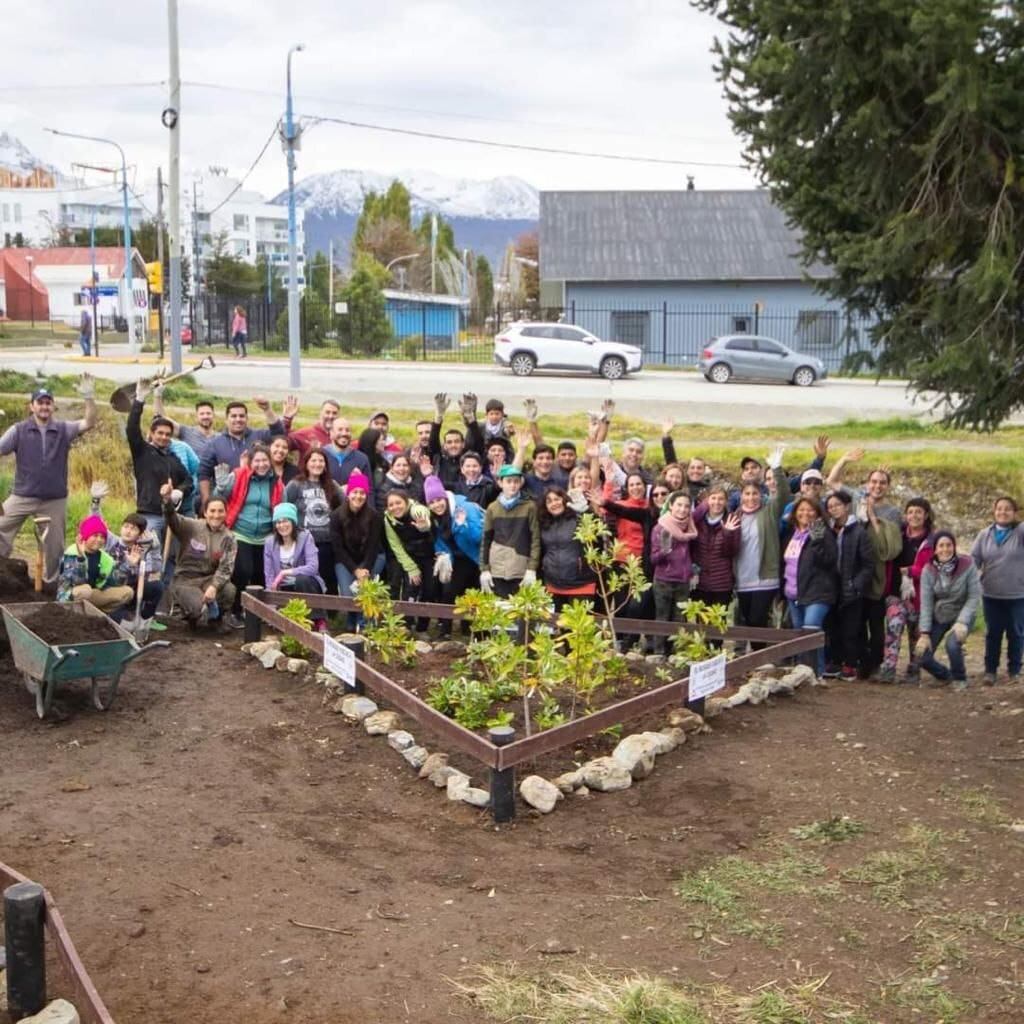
pixel 753 357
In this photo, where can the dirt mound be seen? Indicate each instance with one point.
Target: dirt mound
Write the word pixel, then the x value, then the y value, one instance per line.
pixel 59 624
pixel 15 582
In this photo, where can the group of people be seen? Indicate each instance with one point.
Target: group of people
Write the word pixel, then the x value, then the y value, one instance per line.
pixel 317 509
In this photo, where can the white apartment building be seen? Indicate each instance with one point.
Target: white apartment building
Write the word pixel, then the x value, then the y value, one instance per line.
pixel 38 213
pixel 252 226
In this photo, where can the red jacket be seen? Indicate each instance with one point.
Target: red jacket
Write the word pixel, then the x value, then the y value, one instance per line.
pixel 241 489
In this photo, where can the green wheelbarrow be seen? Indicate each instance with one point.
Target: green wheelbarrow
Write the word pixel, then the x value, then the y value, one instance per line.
pixel 45 666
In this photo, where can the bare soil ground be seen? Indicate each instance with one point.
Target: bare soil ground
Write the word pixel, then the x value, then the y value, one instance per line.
pixel 184 832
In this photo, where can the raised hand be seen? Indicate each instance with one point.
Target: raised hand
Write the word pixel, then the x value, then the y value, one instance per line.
pixel 666 426
pixel 290 407
pixel 86 386
pixel 853 455
pixel 821 445
pixel 733 522
pixel 467 406
pixel 99 489
pixel 261 402
pixel 608 409
pixel 817 530
pixel 774 457
pixel 142 389
pixel 167 488
pixel 530 407
pixel 441 401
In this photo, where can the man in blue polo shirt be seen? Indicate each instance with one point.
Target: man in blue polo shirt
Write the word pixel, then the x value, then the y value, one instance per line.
pixel 40 445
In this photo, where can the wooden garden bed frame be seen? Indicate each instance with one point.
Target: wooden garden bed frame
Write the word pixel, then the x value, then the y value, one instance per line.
pixel 502 751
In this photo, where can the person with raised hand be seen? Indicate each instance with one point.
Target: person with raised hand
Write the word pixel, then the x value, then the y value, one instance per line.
pixel 715 548
pixel 458 528
pixel 409 550
pixel 445 458
pixel 401 475
pixel 671 559
pixel 950 596
pixel 40 445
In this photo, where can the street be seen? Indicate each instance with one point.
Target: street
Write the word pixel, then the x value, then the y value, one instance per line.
pixel 653 394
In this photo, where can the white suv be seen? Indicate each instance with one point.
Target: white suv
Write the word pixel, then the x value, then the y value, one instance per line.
pixel 524 347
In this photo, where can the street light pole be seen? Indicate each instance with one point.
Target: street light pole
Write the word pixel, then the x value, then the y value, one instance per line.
pixel 294 364
pixel 170 118
pixel 127 226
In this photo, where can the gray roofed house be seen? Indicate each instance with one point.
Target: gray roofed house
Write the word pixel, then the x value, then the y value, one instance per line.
pixel 667 236
pixel 668 270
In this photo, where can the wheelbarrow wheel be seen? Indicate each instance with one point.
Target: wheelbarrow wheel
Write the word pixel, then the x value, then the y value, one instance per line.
pixel 103 696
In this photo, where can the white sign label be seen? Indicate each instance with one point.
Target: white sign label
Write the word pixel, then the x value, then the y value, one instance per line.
pixel 707 677
pixel 341 308
pixel 339 660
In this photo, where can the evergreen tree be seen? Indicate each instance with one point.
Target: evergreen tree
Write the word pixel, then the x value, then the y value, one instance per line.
pixel 367 327
pixel 890 132
pixel 483 304
pixel 227 274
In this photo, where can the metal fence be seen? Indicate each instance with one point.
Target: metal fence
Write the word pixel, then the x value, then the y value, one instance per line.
pixel 669 334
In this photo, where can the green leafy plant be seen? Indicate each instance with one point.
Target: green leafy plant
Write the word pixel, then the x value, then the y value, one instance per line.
pixel 466 700
pixel 386 634
pixel 550 714
pixel 692 645
pixel 618 581
pixel 590 656
pixel 297 611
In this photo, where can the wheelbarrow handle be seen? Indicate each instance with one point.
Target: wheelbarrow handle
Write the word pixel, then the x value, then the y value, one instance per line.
pixel 145 650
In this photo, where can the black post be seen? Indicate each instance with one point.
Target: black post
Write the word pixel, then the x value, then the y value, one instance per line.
pixel 24 914
pixel 696 706
pixel 253 623
pixel 357 645
pixel 503 782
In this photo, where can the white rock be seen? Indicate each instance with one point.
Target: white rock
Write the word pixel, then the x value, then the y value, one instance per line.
pixel 637 753
pixel 674 735
pixel 297 665
pixel 260 647
pixel 656 659
pixel 582 791
pixel 399 739
pixel 569 781
pixel 634 656
pixel 715 706
pixel 380 723
pixel 60 1011
pixel 432 764
pixel 422 647
pixel 800 674
pixel 685 719
pixel 539 793
pixel 356 708
pixel 457 784
pixel 661 742
pixel 606 775
pixel 268 659
pixel 449 647
pixel 754 691
pixel 476 797
pixel 440 776
pixel 416 756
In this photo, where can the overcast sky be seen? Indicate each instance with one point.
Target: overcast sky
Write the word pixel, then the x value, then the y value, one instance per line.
pixel 631 78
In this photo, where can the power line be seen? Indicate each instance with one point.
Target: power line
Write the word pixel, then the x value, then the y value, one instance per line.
pixel 81 86
pixel 252 167
pixel 523 147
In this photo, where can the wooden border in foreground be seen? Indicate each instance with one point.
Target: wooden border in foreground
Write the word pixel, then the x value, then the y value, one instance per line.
pixel 781 643
pixel 86 999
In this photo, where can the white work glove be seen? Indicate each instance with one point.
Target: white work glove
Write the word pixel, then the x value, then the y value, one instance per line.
pixel 530 407
pixel 608 409
pixel 441 403
pixel 86 386
pixel 529 577
pixel 354 587
pixel 486 582
pixel 98 490
pixel 960 631
pixel 142 390
pixel 467 406
pixel 907 588
pixel 923 645
pixel 443 567
pixel 222 475
pixel 176 496
pixel 774 457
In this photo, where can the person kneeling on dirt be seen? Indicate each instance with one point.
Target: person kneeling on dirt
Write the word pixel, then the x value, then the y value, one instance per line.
pixel 291 561
pixel 137 549
pixel 87 570
pixel 202 586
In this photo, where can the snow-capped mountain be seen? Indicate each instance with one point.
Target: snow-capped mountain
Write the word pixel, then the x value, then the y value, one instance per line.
pixel 15 156
pixel 503 198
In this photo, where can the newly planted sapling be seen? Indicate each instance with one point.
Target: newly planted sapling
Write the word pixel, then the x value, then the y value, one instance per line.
pixel 297 611
pixel 386 633
pixel 590 656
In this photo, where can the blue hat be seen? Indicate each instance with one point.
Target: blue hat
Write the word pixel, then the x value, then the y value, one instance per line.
pixel 42 393
pixel 286 510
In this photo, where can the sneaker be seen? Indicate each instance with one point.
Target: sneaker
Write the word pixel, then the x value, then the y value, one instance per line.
pixel 320 625
pixel 959 685
pixel 157 627
pixel 236 621
pixel 831 672
pixel 886 675
pixel 1013 680
pixel 848 672
pixel 937 684
pixel 988 679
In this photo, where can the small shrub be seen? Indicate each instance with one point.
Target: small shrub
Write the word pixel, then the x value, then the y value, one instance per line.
pixel 297 611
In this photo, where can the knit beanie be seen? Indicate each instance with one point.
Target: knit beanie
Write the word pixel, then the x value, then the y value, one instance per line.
pixel 358 482
pixel 90 526
pixel 286 510
pixel 433 489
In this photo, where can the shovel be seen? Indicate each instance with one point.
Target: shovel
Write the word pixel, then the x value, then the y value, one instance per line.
pixel 122 398
pixel 42 527
pixel 137 626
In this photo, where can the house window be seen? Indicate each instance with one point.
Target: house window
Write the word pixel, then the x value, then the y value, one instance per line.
pixel 241 222
pixel 631 327
pixel 17 213
pixel 5 212
pixel 741 325
pixel 817 327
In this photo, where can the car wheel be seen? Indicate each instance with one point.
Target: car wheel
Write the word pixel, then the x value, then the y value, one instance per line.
pixel 804 377
pixel 613 368
pixel 522 364
pixel 720 373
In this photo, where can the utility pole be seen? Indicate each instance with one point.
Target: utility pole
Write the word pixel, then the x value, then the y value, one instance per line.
pixel 330 279
pixel 160 251
pixel 197 314
pixel 95 282
pixel 171 117
pixel 290 139
pixel 433 253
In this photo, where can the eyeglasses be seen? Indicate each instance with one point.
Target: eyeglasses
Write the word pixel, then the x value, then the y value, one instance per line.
pixel 659 494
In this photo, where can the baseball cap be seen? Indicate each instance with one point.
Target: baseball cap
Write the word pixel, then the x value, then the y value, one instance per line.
pixel 811 474
pixel 506 471
pixel 747 459
pixel 42 393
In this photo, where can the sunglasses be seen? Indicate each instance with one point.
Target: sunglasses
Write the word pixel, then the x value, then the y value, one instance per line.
pixel 660 494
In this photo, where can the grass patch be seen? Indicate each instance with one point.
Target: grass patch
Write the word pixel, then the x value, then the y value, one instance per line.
pixel 891 873
pixel 980 806
pixel 836 829
pixel 925 996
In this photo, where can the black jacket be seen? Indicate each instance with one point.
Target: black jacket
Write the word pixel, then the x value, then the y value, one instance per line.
pixel 448 467
pixel 562 565
pixel 481 493
pixel 856 562
pixel 153 467
pixel 356 540
pixel 817 571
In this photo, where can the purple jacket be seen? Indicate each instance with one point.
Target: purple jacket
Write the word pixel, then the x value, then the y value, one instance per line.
pixel 307 560
pixel 674 565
